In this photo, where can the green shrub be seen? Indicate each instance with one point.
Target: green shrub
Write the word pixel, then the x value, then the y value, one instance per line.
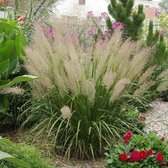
pixel 134 151
pixel 162 22
pixel 83 101
pixel 26 154
pixel 12 45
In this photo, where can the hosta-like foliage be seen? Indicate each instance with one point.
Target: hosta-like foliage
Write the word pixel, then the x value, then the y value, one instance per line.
pixel 12 45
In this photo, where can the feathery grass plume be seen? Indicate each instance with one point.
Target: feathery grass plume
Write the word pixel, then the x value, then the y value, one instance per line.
pixel 88 89
pixel 147 74
pixel 66 112
pixel 95 85
pixel 12 90
pixel 108 78
pixel 137 64
pixel 164 74
pixel 119 88
pixel 143 88
pixel 163 86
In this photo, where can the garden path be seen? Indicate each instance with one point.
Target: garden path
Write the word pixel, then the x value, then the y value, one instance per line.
pixel 157 118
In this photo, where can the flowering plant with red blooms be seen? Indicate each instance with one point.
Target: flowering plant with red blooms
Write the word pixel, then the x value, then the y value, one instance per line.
pixel 127 137
pixel 138 151
pixel 142 118
pixel 150 152
pixel 123 157
pixel 159 157
pixel 143 154
pixel 163 139
pixel 135 156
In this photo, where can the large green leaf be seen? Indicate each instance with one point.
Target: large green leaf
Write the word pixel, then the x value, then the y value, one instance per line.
pixel 9 158
pixel 8 51
pixel 12 43
pixel 4 155
pixel 2 38
pixel 4 66
pixel 4 24
pixel 24 78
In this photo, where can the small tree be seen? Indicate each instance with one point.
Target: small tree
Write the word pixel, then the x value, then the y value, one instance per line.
pixel 153 36
pixel 156 38
pixel 122 11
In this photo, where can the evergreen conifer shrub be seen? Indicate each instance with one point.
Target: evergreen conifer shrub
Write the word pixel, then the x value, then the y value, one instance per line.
pixel 122 11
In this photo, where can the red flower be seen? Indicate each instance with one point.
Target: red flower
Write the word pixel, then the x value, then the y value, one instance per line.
pixel 163 139
pixel 123 157
pixel 127 137
pixel 164 164
pixel 134 156
pixel 143 154
pixel 125 141
pixel 4 3
pixel 159 157
pixel 142 118
pixel 150 152
pixel 21 18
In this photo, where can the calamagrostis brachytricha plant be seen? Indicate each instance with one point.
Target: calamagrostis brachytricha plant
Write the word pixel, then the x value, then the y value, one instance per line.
pixel 81 100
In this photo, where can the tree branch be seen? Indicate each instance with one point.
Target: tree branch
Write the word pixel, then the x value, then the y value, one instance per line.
pixel 39 7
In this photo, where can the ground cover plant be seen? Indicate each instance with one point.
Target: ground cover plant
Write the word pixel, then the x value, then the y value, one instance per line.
pixel 83 102
pixel 5 157
pixel 20 156
pixel 146 150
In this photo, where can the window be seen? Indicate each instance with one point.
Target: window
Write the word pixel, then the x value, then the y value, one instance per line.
pixel 81 2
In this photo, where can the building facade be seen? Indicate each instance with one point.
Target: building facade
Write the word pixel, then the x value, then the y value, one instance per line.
pixel 163 7
pixel 79 8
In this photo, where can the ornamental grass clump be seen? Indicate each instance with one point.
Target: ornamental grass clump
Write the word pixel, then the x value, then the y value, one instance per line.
pixel 82 101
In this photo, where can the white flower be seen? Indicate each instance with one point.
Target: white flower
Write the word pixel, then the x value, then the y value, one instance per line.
pixel 66 112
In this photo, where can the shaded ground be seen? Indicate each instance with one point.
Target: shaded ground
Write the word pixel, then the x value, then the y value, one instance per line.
pixel 63 163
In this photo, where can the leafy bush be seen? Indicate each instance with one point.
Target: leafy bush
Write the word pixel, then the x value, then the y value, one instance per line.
pixel 12 45
pixel 157 40
pixel 26 12
pixel 83 101
pixel 22 156
pixel 134 151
